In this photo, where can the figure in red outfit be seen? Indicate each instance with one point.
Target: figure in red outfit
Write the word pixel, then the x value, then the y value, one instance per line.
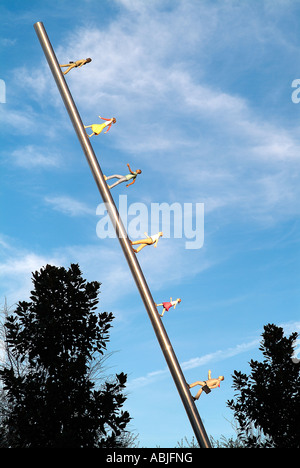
pixel 206 385
pixel 168 305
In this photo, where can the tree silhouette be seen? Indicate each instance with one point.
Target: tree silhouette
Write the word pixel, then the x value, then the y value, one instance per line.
pixel 269 398
pixel 56 337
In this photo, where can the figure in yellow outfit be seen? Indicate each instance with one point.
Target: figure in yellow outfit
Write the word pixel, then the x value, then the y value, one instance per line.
pixel 207 385
pixel 78 63
pixel 148 241
pixel 168 305
pixel 98 128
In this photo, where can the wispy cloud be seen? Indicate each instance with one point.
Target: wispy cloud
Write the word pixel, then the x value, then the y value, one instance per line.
pixel 32 156
pixel 210 358
pixel 69 206
pixel 163 107
pixel 193 363
pixel 16 267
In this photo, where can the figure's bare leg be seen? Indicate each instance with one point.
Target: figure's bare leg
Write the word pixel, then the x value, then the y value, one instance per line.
pixel 89 126
pixel 163 311
pixel 200 391
pixel 140 248
pixel 198 394
pixel 143 241
pixel 65 65
pixel 136 242
pixel 199 382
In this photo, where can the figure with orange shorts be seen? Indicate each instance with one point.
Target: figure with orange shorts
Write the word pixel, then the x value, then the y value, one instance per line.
pixel 168 305
pixel 78 63
pixel 148 241
pixel 98 128
pixel 207 385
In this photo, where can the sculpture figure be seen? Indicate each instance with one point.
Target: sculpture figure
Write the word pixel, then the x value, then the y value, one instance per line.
pixel 78 63
pixel 168 305
pixel 148 241
pixel 132 176
pixel 207 385
pixel 98 128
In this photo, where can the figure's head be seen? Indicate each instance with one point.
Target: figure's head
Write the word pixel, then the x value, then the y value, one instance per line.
pixel 221 377
pixel 88 60
pixel 138 171
pixel 178 300
pixel 113 120
pixel 161 234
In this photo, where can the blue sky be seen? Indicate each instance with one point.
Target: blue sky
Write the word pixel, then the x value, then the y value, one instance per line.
pixel 202 93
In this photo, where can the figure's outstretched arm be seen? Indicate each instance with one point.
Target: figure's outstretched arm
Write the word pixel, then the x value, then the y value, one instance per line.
pixel 129 168
pixel 108 128
pixel 130 183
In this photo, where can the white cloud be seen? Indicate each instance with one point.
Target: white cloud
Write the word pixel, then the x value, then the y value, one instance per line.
pixel 193 363
pixel 97 262
pixel 219 355
pixel 16 121
pixel 31 156
pixel 210 358
pixel 69 206
pixel 16 267
pixel 215 146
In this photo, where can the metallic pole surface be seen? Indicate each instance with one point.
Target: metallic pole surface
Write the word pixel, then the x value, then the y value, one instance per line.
pixel 130 256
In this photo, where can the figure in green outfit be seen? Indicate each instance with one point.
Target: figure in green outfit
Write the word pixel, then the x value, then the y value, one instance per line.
pixel 132 176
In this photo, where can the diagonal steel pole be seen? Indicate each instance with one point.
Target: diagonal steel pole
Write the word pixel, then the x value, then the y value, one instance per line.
pixel 130 256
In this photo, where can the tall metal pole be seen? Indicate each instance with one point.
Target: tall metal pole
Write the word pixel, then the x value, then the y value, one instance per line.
pixel 130 256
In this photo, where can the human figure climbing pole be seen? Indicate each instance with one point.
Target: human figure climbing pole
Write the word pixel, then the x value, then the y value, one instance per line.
pixel 168 305
pixel 149 240
pixel 98 128
pixel 77 64
pixel 132 176
pixel 206 385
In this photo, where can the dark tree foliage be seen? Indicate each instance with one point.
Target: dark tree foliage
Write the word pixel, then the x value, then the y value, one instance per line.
pixel 56 336
pixel 269 398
